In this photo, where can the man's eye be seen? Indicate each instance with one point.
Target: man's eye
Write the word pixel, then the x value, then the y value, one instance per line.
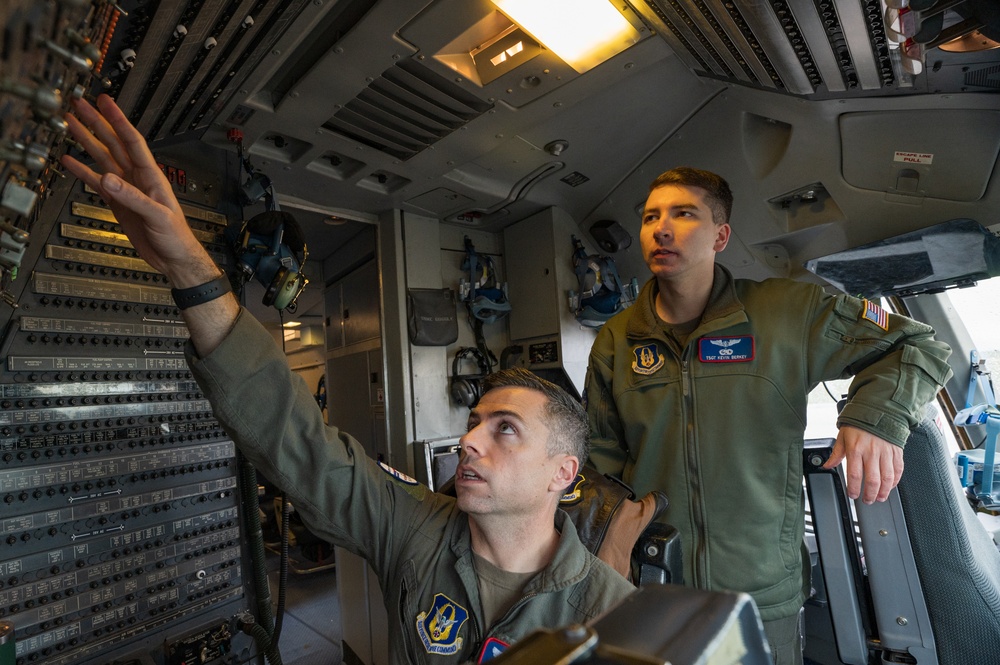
pixel 506 428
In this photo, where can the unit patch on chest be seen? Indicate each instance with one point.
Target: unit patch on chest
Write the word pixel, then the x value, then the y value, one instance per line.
pixel 726 349
pixel 647 359
pixel 439 627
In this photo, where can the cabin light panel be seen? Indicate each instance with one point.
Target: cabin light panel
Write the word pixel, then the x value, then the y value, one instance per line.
pixel 584 33
pixel 511 48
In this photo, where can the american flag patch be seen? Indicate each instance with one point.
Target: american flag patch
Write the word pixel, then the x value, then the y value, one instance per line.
pixel 875 314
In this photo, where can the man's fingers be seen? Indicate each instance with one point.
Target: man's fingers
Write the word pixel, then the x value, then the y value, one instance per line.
pixel 99 138
pixel 129 138
pixel 124 194
pixel 836 455
pixel 84 173
pixel 92 145
pixel 855 472
pixel 873 479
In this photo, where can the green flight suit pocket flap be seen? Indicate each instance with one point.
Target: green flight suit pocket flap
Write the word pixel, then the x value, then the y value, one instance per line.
pixel 919 378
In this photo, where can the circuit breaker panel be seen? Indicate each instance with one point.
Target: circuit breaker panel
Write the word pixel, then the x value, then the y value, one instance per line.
pixel 120 494
pixel 121 512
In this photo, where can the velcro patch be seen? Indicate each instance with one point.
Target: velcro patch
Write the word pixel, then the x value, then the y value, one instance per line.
pixel 398 475
pixel 726 349
pixel 491 649
pixel 872 312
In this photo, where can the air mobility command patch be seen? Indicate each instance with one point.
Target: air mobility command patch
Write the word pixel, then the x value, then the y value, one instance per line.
pixel 438 628
pixel 875 314
pixel 491 649
pixel 647 359
pixel 574 491
pixel 726 349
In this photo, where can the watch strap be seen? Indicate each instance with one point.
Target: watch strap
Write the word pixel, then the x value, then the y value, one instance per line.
pixel 196 295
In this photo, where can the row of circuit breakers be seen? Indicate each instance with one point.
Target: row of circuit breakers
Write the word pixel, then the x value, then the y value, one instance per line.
pixel 121 538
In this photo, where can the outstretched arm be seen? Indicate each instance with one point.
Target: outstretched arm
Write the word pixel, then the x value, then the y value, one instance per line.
pixel 129 180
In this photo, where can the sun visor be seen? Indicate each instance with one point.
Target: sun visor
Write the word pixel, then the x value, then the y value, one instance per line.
pixel 941 154
pixel 954 253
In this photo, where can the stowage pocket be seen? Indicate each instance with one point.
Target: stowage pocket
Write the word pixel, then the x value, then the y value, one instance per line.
pixel 919 376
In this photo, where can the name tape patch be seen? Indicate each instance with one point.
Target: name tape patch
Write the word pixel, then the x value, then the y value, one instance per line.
pixel 726 349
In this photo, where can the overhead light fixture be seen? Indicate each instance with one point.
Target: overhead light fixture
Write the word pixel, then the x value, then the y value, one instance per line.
pixel 584 33
pixel 291 324
pixel 507 50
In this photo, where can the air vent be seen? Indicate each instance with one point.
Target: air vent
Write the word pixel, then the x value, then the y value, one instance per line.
pixel 406 110
pixel 805 47
pixel 987 77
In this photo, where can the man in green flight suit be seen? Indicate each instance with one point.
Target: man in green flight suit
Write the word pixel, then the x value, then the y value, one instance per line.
pixel 700 390
pixel 462 578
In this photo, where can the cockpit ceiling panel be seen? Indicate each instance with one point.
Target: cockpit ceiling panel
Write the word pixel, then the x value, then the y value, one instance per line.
pixel 814 48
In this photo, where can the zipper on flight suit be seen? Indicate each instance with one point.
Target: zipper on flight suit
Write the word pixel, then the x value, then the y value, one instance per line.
pixel 403 619
pixel 524 599
pixel 687 392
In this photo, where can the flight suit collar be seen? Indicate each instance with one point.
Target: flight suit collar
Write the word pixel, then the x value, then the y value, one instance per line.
pixel 569 566
pixel 724 309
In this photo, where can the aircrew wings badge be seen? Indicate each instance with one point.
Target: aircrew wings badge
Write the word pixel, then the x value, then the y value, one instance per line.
pixel 875 314
pixel 647 359
pixel 439 627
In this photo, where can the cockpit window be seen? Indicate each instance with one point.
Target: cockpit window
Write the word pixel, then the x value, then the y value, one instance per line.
pixel 979 309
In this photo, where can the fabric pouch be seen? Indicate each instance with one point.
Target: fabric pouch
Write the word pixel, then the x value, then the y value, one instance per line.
pixel 432 318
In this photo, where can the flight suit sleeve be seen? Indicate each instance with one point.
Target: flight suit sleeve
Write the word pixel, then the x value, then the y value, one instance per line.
pixel 343 496
pixel 898 366
pixel 608 452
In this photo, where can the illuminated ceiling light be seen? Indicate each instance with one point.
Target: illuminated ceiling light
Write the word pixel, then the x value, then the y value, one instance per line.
pixel 291 324
pixel 503 52
pixel 584 33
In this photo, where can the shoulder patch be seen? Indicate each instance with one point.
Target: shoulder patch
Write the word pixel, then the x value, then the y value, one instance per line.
pixel 491 649
pixel 574 492
pixel 648 359
pixel 873 313
pixel 739 349
pixel 398 475
pixel 439 626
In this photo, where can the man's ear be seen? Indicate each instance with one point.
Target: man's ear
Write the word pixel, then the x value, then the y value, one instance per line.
pixel 564 474
pixel 722 233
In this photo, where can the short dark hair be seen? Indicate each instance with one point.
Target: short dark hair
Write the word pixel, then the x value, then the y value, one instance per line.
pixel 569 429
pixel 720 197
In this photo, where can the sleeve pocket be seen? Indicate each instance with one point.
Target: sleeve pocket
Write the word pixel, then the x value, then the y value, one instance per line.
pixel 920 376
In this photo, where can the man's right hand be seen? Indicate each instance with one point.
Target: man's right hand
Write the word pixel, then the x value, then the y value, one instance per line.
pixel 148 212
pixel 138 193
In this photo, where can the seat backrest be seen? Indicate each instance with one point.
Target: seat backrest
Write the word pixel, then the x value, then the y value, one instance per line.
pixel 957 560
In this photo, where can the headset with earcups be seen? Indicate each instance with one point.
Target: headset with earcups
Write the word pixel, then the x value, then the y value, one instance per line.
pixel 271 247
pixel 466 389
